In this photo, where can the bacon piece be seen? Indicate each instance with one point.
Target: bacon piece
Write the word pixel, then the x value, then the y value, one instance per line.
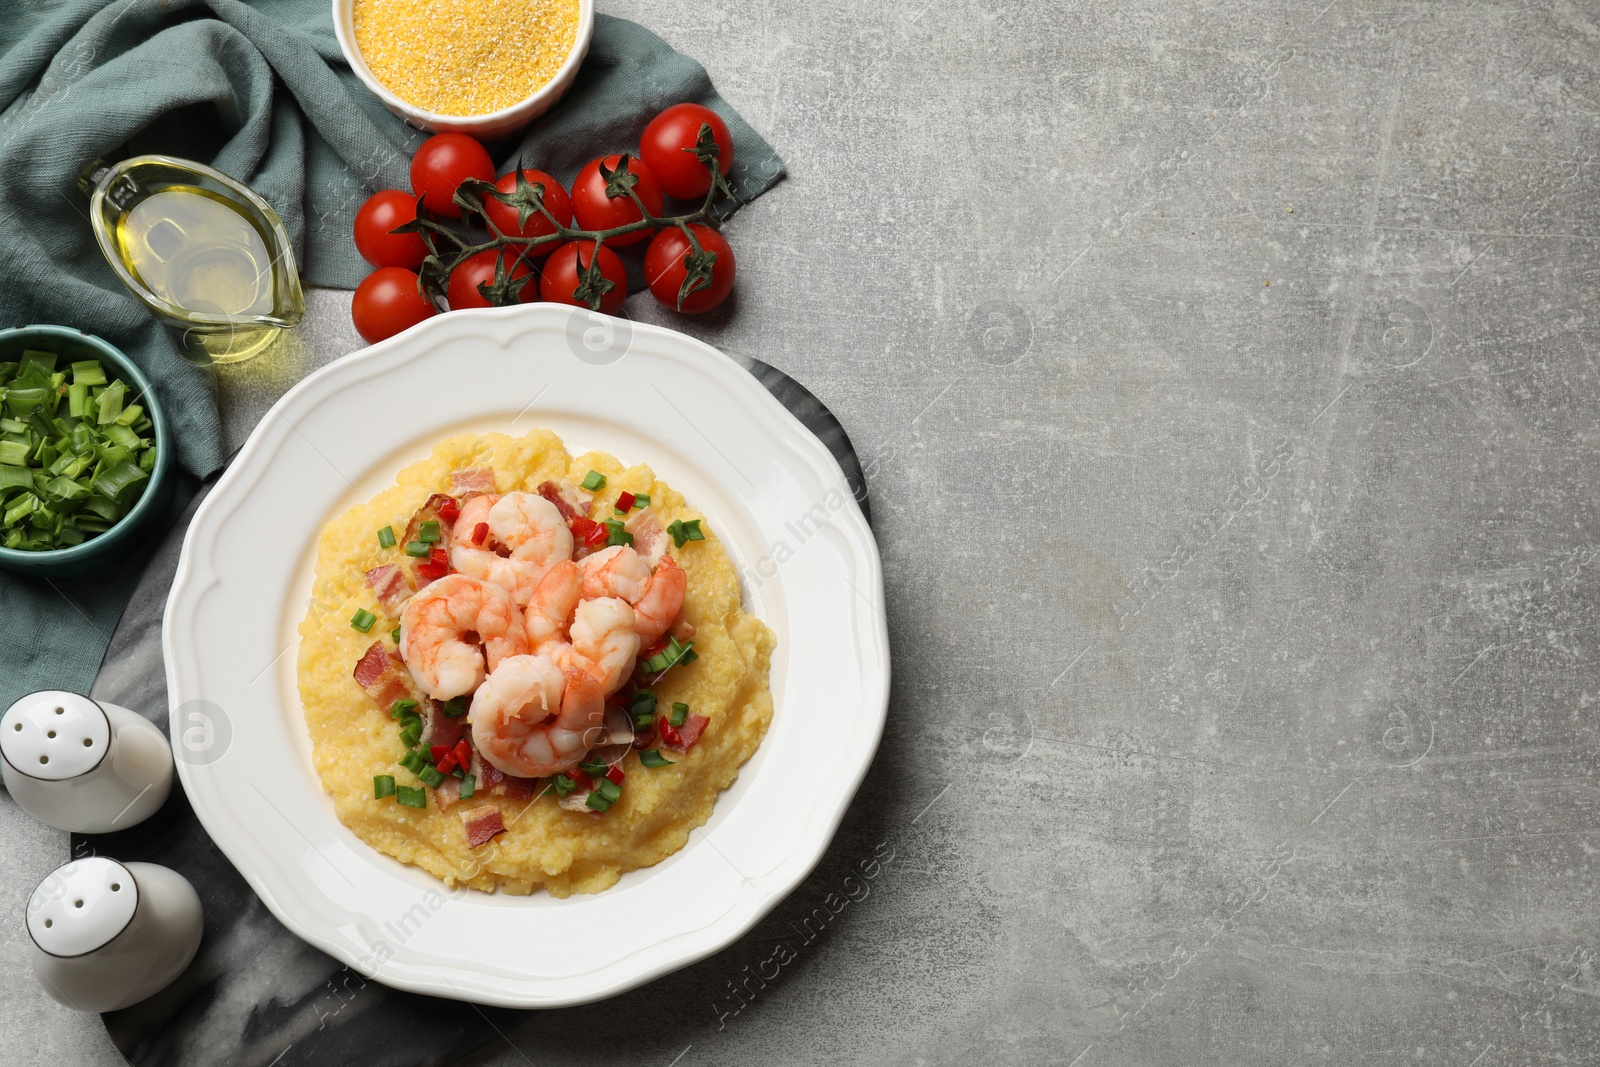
pixel 570 500
pixel 483 825
pixel 472 481
pixel 688 733
pixel 649 536
pixel 383 676
pixel 447 792
pixel 488 774
pixel 494 781
pixel 389 583
pixel 441 729
pixel 519 789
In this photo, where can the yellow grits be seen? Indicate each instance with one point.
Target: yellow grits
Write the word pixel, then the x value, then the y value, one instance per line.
pixel 565 852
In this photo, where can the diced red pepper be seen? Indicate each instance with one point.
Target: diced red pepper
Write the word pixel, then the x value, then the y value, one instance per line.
pixel 669 733
pixel 436 566
pixel 447 764
pixel 446 506
pixel 438 752
pixel 625 502
pixel 615 773
pixel 463 753
pixel 588 531
pixel 653 651
pixel 480 533
pixel 583 780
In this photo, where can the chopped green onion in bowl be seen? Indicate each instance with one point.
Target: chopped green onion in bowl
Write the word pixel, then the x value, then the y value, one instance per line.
pixel 82 449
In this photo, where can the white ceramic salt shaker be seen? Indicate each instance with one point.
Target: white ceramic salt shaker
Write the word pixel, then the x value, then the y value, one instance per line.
pixel 82 766
pixel 108 934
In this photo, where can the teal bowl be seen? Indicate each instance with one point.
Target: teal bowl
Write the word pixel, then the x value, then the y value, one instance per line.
pixel 113 546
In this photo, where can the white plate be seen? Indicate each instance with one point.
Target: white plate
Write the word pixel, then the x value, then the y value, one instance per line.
pixel 771 491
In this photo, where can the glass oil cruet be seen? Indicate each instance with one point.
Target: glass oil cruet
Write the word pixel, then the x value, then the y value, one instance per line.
pixel 204 252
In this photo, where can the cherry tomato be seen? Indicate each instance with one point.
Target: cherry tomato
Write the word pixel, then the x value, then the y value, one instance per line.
pixel 668 148
pixel 388 301
pixel 559 283
pixel 478 270
pixel 594 210
pixel 381 213
pixel 444 161
pixel 555 199
pixel 669 258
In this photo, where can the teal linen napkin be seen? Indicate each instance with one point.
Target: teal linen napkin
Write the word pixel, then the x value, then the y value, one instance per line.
pixel 261 92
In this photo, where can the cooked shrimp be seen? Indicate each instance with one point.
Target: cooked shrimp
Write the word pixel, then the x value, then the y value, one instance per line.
pixel 534 543
pixel 550 610
pixel 603 634
pixel 656 610
pixel 531 720
pixel 532 528
pixel 443 625
pixel 617 571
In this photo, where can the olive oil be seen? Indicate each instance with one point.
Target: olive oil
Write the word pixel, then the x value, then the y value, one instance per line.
pixel 203 251
pixel 196 250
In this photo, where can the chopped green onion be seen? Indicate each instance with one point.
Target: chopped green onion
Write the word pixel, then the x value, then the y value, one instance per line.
pixel 382 786
pixel 399 708
pixel 643 700
pixel 131 414
pixel 21 509
pixel 63 489
pixel 594 768
pixel 594 481
pixel 417 549
pixel 428 532
pixel 641 500
pixel 15 478
pixel 20 400
pixel 411 797
pixel 88 372
pixel 652 758
pixel 413 762
pixel 77 400
pixel 386 537
pixel 14 453
pixel 431 776
pixel 411 734
pixel 562 785
pixel 109 403
pixel 37 363
pixel 597 802
pixel 455 707
pixel 684 532
pixel 114 481
pixel 394 635
pixel 680 713
pixel 121 435
pixel 675 653
pixel 642 722
pixel 608 789
pixel 469 784
pixel 362 620
pixel 615 534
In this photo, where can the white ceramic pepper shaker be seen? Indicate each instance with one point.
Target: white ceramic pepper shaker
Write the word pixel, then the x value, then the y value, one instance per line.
pixel 108 934
pixel 82 766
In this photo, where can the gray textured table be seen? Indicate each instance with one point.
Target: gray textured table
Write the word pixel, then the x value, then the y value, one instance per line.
pixel 1224 381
